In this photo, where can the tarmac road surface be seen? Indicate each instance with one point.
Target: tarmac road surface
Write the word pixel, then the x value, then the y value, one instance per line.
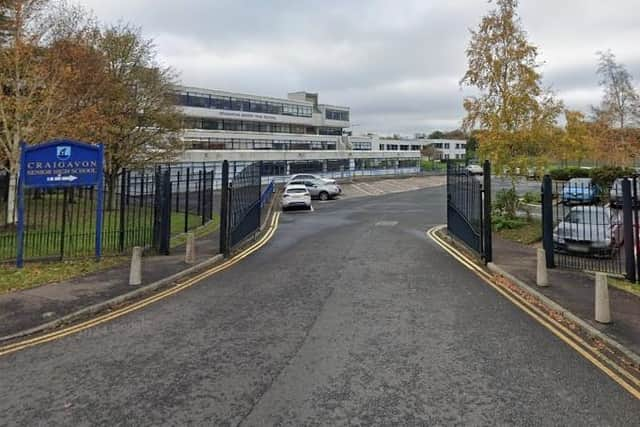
pixel 348 316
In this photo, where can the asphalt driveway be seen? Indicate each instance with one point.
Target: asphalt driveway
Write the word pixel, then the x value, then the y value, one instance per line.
pixel 348 316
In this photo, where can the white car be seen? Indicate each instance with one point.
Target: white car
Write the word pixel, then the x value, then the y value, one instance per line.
pixel 310 177
pixel 475 169
pixel 296 195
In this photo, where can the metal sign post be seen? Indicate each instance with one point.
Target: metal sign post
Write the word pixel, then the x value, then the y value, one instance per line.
pixel 55 164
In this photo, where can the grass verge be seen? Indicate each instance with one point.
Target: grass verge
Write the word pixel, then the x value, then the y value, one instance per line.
pixel 527 233
pixel 623 285
pixel 37 274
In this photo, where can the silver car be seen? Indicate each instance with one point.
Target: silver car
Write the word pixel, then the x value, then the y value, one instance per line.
pixel 319 189
pixel 310 177
pixel 589 230
pixel 615 195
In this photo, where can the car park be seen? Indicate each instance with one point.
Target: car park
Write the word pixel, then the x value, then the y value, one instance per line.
pixel 580 190
pixel 319 189
pixel 295 195
pixel 589 230
pixel 615 195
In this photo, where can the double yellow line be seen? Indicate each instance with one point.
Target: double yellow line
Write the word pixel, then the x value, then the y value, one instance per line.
pixel 614 371
pixel 74 329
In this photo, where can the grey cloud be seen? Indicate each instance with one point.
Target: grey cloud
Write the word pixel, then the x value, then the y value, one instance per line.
pixel 396 63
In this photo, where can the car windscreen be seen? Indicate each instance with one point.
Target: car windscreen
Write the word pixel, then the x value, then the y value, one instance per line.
pixel 296 191
pixel 580 216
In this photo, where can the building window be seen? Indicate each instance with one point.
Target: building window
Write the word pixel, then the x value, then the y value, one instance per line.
pixel 200 100
pixel 330 131
pixel 337 115
pixel 361 146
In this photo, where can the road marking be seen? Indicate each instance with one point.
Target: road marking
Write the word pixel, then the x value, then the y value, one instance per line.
pixel 362 190
pixel 631 383
pixel 11 348
pixel 373 189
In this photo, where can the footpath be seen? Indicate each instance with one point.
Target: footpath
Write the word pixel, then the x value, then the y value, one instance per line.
pixel 23 310
pixel 573 290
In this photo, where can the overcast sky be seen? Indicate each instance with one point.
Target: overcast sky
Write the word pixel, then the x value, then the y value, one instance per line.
pixel 396 63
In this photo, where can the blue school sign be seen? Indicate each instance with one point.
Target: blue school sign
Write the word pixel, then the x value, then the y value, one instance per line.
pixel 60 163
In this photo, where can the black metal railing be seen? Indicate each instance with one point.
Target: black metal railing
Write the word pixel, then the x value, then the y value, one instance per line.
pixel 591 228
pixel 60 223
pixel 469 208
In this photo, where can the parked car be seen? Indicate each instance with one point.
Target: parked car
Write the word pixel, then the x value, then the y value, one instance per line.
pixel 580 190
pixel 615 195
pixel 319 189
pixel 308 176
pixel 295 196
pixel 589 230
pixel 475 169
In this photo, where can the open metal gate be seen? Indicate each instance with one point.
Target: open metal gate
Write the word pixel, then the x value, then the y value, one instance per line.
pixel 241 196
pixel 469 207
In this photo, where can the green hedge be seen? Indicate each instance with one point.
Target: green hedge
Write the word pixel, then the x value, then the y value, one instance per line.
pixel 602 176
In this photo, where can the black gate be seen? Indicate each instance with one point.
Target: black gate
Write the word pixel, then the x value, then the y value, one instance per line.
pixel 241 194
pixel 469 207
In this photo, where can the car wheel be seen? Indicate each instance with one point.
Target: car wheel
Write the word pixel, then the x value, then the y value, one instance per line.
pixel 324 196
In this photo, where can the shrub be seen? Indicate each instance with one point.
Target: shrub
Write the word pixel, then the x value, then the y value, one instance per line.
pixel 506 203
pixel 605 175
pixel 565 174
pixel 532 197
pixel 501 222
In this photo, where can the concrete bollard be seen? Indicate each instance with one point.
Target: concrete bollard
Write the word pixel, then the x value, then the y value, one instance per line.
pixel 542 277
pixel 603 310
pixel 135 273
pixel 190 251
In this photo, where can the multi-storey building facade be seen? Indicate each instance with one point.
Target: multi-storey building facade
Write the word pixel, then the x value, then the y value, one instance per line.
pixel 445 148
pixel 219 120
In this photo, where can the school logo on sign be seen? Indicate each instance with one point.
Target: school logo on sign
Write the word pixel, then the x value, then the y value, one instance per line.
pixel 63 152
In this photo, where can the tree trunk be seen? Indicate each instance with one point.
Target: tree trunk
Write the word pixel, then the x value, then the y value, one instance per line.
pixel 11 198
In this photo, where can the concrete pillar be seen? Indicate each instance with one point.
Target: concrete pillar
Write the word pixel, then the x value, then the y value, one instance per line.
pixel 325 166
pixel 135 273
pixel 542 277
pixel 603 310
pixel 190 249
pixel 287 167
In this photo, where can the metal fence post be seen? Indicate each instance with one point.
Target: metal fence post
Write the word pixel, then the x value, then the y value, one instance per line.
pixel 547 220
pixel 636 206
pixel 121 225
pixel 488 242
pixel 186 201
pixel 224 210
pixel 166 213
pixel 627 220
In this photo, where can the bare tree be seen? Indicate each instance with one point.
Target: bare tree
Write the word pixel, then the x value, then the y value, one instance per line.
pixel 621 102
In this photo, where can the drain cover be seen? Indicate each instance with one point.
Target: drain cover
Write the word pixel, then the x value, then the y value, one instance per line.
pixel 386 223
